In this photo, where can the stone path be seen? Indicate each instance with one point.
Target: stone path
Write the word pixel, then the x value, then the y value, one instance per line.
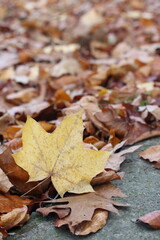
pixel 141 184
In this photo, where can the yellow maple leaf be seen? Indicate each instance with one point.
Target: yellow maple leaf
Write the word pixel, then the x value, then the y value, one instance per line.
pixel 60 155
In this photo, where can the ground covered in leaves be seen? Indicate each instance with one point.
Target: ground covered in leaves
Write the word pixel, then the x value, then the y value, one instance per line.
pixel 96 62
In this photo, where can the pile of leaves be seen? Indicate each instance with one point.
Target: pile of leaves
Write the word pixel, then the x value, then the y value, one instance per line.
pixel 78 81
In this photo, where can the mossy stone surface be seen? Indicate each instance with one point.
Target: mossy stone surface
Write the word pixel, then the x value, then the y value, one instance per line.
pixel 141 184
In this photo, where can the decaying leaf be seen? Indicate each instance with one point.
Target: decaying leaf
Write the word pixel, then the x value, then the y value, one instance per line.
pixel 60 155
pixel 152 154
pixel 82 207
pixel 152 219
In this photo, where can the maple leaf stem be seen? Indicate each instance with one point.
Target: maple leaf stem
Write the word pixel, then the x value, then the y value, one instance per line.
pixel 24 194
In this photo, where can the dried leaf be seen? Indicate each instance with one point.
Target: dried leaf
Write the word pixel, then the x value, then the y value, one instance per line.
pixel 66 66
pixel 8 59
pixel 154 110
pixel 132 131
pixel 14 144
pixel 152 218
pixel 10 131
pixel 60 155
pixel 83 206
pixel 33 107
pixel 111 120
pixel 116 159
pixel 23 96
pixel 9 202
pixel 107 176
pixel 152 154
pixel 18 176
pixel 16 217
pixel 98 221
pixel 4 121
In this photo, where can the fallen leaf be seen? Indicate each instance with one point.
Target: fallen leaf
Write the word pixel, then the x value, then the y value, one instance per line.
pixel 87 21
pixel 23 96
pixel 98 221
pixel 66 66
pixel 145 133
pixel 83 206
pixel 154 110
pixel 10 131
pixel 9 202
pixel 4 121
pixel 111 120
pixel 60 155
pixel 5 184
pixel 146 86
pixel 152 154
pixel 64 81
pixel 116 159
pixel 61 97
pixel 152 218
pixel 126 129
pixel 107 176
pixel 8 59
pixel 16 217
pixel 16 174
pixel 33 107
pixel 67 48
pixel 91 18
pixel 14 144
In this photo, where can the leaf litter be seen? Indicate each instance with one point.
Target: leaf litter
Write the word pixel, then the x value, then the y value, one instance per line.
pixel 73 93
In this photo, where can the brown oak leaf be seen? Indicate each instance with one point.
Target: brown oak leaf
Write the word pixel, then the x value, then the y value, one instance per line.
pixel 82 207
